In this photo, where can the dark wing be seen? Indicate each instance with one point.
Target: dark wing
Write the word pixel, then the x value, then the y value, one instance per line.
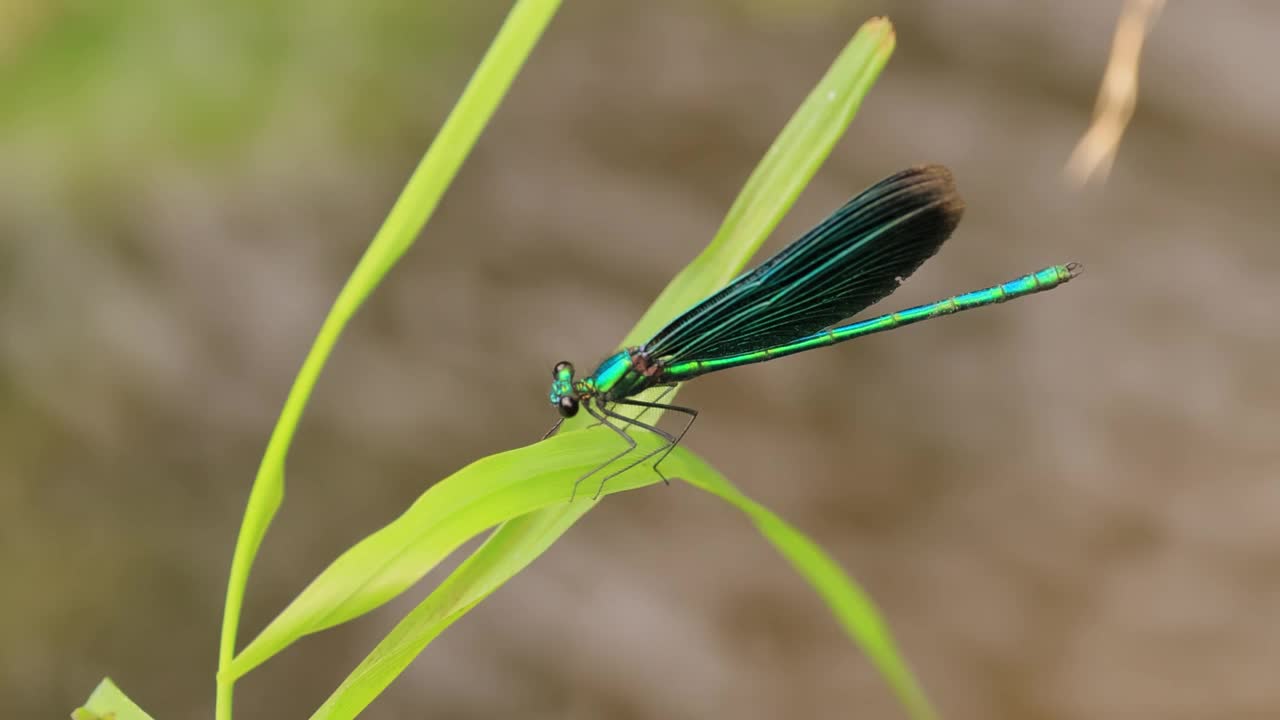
pixel 856 257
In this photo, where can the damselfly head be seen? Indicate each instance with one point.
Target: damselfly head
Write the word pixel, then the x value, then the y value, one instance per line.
pixel 563 395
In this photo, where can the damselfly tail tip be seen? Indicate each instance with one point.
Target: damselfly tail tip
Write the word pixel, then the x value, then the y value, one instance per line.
pixel 1074 269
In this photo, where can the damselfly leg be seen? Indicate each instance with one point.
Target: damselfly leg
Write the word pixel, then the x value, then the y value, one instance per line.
pixel 669 439
pixel 693 415
pixel 631 445
pixel 552 431
pixel 668 388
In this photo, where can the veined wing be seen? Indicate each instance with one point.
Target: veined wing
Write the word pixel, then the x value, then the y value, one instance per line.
pixel 854 258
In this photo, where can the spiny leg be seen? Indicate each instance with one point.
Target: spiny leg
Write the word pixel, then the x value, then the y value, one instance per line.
pixel 693 415
pixel 668 437
pixel 631 445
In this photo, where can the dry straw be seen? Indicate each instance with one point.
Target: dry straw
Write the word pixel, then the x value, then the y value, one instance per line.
pixel 1117 97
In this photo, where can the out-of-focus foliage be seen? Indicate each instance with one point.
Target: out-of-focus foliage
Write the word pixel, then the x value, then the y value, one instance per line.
pixel 1067 506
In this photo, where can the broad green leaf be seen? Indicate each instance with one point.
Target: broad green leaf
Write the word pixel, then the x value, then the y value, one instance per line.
pixel 108 702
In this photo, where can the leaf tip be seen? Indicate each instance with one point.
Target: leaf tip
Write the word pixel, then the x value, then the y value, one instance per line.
pixel 880 28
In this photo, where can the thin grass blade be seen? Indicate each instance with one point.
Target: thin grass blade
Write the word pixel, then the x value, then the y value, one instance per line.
pixel 850 604
pixel 507 54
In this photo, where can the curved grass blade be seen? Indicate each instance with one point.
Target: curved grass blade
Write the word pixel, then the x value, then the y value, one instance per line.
pixel 851 605
pixel 784 171
pixel 514 42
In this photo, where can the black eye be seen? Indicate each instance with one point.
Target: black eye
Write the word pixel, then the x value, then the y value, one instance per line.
pixel 568 406
pixel 562 366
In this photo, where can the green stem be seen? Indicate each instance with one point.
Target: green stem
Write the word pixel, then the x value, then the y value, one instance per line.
pixel 510 49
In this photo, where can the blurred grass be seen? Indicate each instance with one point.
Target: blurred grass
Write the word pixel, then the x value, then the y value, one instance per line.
pixel 187 81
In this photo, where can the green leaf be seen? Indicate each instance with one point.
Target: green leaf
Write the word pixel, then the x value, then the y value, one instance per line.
pixel 478 497
pixel 796 154
pixel 850 604
pixel 506 552
pixel 109 702
pixel 770 192
pixel 514 42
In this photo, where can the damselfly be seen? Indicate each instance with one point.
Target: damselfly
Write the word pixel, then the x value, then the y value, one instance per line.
pixel 792 303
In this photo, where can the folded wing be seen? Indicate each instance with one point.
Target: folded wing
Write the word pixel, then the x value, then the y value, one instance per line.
pixel 853 259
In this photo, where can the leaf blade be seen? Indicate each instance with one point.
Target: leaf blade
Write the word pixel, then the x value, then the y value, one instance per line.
pixel 852 606
pixel 480 496
pixel 108 702
pixel 786 168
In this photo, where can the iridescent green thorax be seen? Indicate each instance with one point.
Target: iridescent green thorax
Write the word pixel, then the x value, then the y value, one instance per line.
pixel 619 375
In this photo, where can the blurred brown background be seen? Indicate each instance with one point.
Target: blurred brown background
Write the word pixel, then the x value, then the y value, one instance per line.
pixel 1068 507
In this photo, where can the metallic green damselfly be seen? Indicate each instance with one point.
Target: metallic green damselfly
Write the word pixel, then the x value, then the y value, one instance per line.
pixel 791 303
